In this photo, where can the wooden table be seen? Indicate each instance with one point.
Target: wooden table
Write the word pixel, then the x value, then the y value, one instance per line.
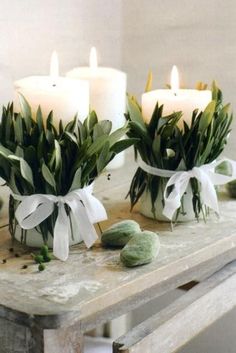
pixel 50 311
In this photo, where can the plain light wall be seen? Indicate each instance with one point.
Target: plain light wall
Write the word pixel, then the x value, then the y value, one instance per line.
pixel 136 35
pixel 198 36
pixel 31 29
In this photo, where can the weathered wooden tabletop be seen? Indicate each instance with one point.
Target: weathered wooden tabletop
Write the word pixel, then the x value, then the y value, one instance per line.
pixel 93 286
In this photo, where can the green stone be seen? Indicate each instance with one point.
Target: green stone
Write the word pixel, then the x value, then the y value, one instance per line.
pixel 119 234
pixel 141 249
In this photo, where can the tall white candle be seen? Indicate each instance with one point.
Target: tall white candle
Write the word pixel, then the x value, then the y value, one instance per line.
pixel 175 99
pixel 107 94
pixel 66 97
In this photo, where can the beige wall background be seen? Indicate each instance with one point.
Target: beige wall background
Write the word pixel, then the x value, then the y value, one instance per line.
pixel 198 36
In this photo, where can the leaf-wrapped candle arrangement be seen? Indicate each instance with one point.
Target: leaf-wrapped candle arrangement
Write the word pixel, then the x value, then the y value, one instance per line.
pixel 36 158
pixel 164 145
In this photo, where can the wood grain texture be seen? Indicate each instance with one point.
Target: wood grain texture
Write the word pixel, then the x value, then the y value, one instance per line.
pixel 174 326
pixel 13 337
pixel 63 341
pixel 93 286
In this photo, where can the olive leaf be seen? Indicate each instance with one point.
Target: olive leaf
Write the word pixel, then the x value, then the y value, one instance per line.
pixel 39 119
pixel 124 144
pixel 148 86
pixel 35 157
pixel 134 111
pixel 76 183
pixel 104 157
pixel 49 178
pixel 207 116
pixel 25 169
pixel 117 135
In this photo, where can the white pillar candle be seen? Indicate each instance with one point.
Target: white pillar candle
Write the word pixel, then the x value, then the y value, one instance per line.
pixel 175 99
pixel 64 96
pixel 107 94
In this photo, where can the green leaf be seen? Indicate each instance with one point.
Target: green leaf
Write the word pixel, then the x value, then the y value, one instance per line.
pixel 91 120
pixel 49 178
pixel 76 183
pixel 25 110
pixel 12 183
pixel 70 127
pixel 24 105
pixel 117 135
pixel 18 129
pixel 58 161
pixel 207 116
pixel 89 167
pixel 19 152
pixel 139 131
pixel 39 119
pixel 224 111
pixel 156 145
pixel 124 144
pixel 49 121
pixel 148 86
pixel 97 131
pixel 97 145
pixel 25 169
pixel 104 157
pixel 50 137
pixel 154 123
pixel 4 151
pixel 106 126
pixel 72 137
pixel 82 134
pixel 134 111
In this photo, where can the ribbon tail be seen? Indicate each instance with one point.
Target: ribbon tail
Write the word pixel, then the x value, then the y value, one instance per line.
pixel 179 181
pixel 94 208
pixel 82 223
pixel 61 234
pixel 208 191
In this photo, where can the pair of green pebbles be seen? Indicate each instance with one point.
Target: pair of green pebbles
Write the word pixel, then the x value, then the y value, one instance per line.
pixel 42 257
pixel 139 247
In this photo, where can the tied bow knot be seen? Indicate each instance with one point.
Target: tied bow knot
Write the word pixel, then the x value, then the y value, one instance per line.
pixel 179 181
pixel 85 210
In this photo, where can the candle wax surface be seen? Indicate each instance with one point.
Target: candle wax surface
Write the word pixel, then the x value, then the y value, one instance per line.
pixel 185 100
pixel 107 92
pixel 66 97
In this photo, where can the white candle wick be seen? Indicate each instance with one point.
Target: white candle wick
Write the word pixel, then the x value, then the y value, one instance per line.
pixel 93 62
pixel 54 68
pixel 174 80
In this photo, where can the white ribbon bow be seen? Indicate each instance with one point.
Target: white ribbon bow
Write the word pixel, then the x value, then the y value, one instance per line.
pixel 205 174
pixel 85 210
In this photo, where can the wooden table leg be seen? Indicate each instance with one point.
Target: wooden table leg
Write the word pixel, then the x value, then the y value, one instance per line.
pixel 15 338
pixel 63 341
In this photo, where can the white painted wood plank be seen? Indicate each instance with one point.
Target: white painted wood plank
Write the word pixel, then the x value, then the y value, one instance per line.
pixel 177 324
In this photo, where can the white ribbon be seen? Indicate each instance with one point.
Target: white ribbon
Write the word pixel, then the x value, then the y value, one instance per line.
pixel 85 210
pixel 179 180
